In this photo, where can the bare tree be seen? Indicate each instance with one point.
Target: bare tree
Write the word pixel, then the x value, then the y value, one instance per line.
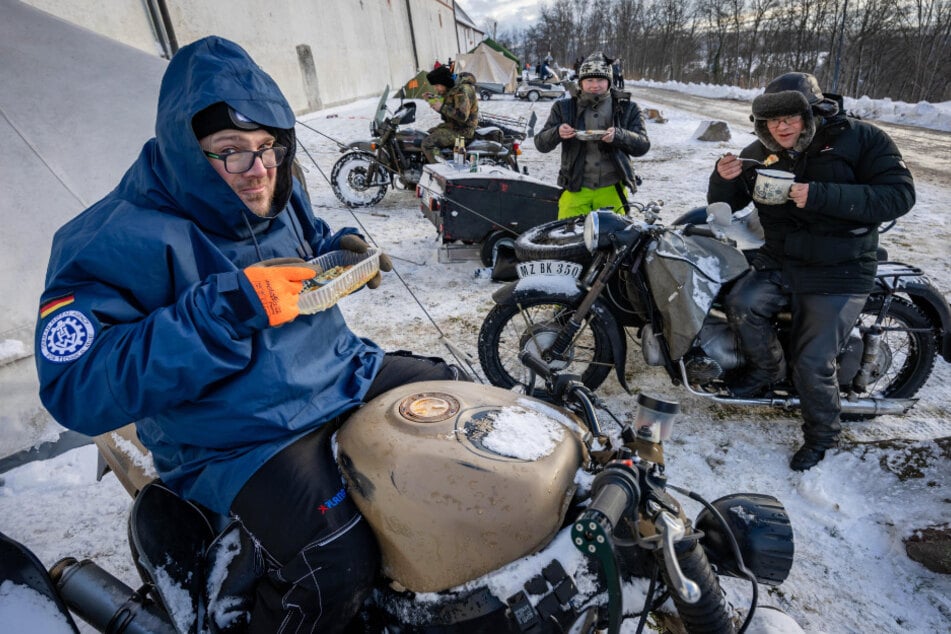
pixel 896 48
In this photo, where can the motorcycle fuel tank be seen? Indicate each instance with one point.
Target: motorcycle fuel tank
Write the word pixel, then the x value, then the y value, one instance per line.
pixel 458 479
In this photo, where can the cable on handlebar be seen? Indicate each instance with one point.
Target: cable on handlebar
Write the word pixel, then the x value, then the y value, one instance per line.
pixel 734 546
pixel 651 588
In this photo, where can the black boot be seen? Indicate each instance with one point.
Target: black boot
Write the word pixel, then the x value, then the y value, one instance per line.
pixel 755 383
pixel 807 457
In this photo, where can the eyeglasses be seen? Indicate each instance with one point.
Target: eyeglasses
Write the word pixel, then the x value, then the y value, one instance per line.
pixel 239 162
pixel 790 120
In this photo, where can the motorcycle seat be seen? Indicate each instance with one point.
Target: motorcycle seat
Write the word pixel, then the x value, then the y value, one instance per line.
pixel 490 133
pixel 485 146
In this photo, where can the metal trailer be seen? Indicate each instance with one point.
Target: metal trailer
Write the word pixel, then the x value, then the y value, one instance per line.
pixel 489 207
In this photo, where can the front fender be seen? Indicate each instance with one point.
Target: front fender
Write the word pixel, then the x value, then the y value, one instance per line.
pixel 365 145
pixel 565 289
pixel 559 287
pixel 895 277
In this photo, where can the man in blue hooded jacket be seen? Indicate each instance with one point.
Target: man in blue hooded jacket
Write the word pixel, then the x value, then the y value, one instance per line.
pixel 172 302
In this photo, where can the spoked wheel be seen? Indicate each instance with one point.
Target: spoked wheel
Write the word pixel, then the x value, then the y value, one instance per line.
pixel 353 183
pixel 534 324
pixel 907 350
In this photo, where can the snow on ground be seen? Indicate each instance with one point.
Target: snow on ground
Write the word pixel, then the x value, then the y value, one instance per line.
pixel 849 514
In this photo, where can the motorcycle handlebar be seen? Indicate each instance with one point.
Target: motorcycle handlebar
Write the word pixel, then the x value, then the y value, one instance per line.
pixel 694 230
pixel 615 492
pixel 564 385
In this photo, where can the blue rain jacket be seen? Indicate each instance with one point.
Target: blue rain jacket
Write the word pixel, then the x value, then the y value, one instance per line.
pixel 147 317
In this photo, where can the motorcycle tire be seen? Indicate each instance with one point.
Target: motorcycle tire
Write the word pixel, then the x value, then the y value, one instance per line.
pixel 349 180
pixel 711 613
pixel 555 240
pixel 910 345
pixel 535 322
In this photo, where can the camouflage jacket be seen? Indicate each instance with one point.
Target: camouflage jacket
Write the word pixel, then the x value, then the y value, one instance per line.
pixel 460 108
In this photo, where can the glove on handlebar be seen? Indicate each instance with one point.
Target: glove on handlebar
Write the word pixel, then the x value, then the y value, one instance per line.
pixel 278 285
pixel 355 243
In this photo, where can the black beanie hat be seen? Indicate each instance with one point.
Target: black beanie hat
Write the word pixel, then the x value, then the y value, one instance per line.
pixel 441 75
pixel 220 116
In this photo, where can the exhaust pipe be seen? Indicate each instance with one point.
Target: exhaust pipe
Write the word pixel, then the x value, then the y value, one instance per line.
pixel 878 406
pixel 863 406
pixel 105 602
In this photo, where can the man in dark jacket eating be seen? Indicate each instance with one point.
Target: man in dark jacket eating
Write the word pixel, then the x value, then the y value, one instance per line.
pixel 596 169
pixel 820 252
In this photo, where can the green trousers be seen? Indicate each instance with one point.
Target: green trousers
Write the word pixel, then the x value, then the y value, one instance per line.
pixel 581 202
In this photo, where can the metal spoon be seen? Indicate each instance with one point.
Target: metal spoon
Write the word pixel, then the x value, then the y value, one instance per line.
pixel 749 160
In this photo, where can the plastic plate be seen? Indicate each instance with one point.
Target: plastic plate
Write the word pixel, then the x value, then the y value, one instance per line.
pixel 339 273
pixel 590 135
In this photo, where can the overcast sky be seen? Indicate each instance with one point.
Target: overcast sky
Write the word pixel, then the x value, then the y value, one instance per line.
pixel 508 14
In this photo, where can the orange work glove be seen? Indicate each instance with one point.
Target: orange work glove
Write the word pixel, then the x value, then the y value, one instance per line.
pixel 278 287
pixel 355 243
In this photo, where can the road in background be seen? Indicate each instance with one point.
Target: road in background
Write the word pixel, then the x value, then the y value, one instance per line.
pixel 927 152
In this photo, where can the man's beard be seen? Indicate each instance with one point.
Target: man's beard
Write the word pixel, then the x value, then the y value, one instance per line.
pixel 260 204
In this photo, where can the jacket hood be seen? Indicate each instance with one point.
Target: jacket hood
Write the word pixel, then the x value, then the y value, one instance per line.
pixel 466 78
pixel 206 72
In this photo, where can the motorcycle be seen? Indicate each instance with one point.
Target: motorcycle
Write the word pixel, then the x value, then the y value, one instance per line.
pixel 538 519
pixel 589 284
pixel 361 177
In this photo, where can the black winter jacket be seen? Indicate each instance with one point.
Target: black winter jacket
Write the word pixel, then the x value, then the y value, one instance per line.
pixel 857 180
pixel 630 139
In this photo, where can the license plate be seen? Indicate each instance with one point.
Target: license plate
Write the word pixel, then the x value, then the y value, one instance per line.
pixel 548 267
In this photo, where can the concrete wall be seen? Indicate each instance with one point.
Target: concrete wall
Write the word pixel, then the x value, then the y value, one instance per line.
pixel 75 109
pixel 320 52
pixel 125 21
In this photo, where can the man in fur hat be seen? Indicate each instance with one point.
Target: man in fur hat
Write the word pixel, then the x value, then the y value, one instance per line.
pixel 595 172
pixel 456 103
pixel 820 253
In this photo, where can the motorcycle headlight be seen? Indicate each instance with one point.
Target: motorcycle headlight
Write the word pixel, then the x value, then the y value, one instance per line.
pixel 599 226
pixel 591 225
pixel 761 529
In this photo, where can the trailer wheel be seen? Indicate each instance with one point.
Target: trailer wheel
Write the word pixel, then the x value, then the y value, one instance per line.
pixel 490 246
pixel 485 95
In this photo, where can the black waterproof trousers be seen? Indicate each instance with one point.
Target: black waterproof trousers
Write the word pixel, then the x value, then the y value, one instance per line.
pixel 820 329
pixel 321 556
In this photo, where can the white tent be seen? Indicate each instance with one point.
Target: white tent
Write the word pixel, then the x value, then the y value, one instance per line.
pixel 75 109
pixel 490 66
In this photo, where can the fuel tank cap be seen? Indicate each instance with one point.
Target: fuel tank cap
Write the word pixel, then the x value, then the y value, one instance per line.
pixel 428 407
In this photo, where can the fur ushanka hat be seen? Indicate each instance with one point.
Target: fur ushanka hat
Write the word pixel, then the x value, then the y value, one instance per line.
pixel 785 103
pixel 791 94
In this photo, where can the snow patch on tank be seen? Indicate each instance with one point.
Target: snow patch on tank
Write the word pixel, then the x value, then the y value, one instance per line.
pixel 520 433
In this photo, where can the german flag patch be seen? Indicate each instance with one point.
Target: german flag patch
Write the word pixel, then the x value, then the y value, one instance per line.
pixel 53 305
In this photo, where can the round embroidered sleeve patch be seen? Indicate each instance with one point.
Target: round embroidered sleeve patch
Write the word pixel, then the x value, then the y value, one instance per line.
pixel 67 337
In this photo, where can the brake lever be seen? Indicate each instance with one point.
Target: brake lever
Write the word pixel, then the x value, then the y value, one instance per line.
pixel 672 530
